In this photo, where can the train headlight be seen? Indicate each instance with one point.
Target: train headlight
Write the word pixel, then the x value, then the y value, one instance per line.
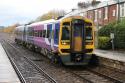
pixel 89 43
pixel 65 43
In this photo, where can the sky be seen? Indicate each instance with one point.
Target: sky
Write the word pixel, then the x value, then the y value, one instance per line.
pixel 23 11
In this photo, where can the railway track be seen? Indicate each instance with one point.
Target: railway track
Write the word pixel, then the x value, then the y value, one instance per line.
pixel 113 74
pixel 95 77
pixel 91 76
pixel 47 76
pixel 111 68
pixel 106 76
pixel 65 73
pixel 19 74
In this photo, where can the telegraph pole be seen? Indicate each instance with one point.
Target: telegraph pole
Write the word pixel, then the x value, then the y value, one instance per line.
pixel 118 11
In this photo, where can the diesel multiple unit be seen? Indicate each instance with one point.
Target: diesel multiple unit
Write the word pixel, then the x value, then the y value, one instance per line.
pixel 69 40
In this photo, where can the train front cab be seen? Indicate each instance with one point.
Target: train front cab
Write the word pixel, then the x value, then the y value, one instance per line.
pixel 76 41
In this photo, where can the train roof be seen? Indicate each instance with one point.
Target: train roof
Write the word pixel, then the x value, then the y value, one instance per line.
pixel 76 16
pixel 43 22
pixel 55 21
pixel 20 28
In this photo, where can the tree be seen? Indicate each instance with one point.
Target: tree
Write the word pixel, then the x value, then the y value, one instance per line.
pixel 94 2
pixel 87 4
pixel 51 15
pixel 83 4
pixel 11 28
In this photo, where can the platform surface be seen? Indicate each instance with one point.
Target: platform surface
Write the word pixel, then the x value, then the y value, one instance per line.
pixel 7 72
pixel 114 55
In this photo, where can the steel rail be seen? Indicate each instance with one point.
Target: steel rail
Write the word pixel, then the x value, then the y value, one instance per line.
pixel 33 64
pixel 82 77
pixel 105 76
pixel 20 76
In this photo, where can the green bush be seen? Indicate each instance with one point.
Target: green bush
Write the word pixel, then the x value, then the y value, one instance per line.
pixel 119 31
pixel 104 43
pixel 107 29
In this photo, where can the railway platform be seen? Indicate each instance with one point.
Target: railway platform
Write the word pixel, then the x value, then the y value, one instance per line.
pixel 114 55
pixel 7 72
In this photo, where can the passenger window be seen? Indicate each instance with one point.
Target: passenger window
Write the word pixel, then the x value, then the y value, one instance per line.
pixel 44 33
pixel 49 30
pixel 66 31
pixel 36 33
pixel 31 33
pixel 89 33
pixel 57 34
pixel 48 33
pixel 41 33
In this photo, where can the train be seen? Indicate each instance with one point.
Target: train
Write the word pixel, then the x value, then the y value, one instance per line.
pixel 68 40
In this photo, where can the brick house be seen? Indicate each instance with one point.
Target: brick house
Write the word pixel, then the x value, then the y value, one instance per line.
pixel 104 13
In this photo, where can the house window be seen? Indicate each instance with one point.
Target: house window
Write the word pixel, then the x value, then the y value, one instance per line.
pixel 100 14
pixel 95 15
pixel 81 14
pixel 113 13
pixel 122 10
pixel 84 14
pixel 106 13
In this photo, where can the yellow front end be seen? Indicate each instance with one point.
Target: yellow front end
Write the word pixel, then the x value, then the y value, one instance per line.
pixel 74 48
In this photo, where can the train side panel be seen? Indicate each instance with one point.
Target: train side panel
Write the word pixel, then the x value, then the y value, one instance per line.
pixel 19 34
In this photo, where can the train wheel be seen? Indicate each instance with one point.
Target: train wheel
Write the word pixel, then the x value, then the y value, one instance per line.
pixel 53 59
pixel 56 59
pixel 41 51
pixel 30 46
pixel 49 55
pixel 33 48
pixel 27 46
pixel 36 49
pixel 45 52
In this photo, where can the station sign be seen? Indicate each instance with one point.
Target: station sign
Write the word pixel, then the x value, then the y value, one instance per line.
pixel 112 35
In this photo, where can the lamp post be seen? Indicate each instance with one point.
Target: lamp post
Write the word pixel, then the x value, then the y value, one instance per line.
pixel 118 11
pixel 112 40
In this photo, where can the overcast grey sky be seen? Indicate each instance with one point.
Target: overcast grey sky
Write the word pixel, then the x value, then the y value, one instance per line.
pixel 23 11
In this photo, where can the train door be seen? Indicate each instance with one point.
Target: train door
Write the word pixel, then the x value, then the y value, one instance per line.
pixel 26 29
pixel 46 38
pixel 52 37
pixel 56 33
pixel 77 40
pixel 24 34
pixel 77 36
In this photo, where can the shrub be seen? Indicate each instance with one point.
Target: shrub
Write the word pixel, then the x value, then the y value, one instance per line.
pixel 119 40
pixel 107 29
pixel 104 43
pixel 119 31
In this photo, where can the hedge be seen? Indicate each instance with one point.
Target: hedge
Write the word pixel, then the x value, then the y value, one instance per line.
pixel 107 29
pixel 104 43
pixel 118 29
